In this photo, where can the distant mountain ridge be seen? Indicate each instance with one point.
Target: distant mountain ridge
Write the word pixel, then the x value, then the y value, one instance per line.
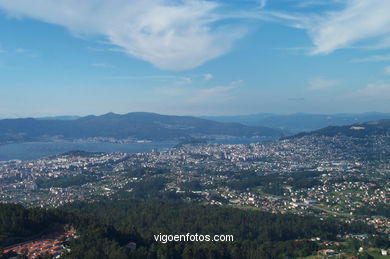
pixel 66 117
pixel 138 125
pixel 301 122
pixel 358 130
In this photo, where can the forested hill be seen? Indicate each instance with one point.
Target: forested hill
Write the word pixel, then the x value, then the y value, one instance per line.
pixel 360 130
pixel 104 228
pixel 149 126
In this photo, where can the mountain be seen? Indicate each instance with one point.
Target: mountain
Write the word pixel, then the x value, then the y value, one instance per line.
pixel 138 125
pixel 66 117
pixel 369 141
pixel 250 119
pixel 300 122
pixel 358 130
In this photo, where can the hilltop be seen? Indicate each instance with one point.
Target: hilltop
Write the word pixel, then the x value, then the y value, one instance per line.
pixel 358 130
pixel 300 122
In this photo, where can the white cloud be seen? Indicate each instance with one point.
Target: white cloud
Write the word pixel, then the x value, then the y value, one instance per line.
pixel 377 90
pixel 387 70
pixel 208 77
pixel 359 20
pixel 343 24
pixel 372 58
pixel 171 34
pixel 321 83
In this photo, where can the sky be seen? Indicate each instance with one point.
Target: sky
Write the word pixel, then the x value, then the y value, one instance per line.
pixel 193 57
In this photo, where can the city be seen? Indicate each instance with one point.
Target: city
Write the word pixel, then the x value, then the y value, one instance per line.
pixel 307 176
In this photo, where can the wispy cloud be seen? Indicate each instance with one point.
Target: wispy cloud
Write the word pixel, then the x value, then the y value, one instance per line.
pixel 180 35
pixel 102 65
pixel 263 3
pixel 173 35
pixel 311 3
pixel 359 20
pixel 373 58
pixel 21 50
pixel 206 94
pixel 208 77
pixel 321 83
pixel 25 52
pixel 387 70
pixel 352 22
pixel 185 79
pixel 220 93
pixel 377 90
pixel 157 78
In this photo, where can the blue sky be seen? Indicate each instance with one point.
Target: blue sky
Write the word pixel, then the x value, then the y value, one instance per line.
pixel 193 57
